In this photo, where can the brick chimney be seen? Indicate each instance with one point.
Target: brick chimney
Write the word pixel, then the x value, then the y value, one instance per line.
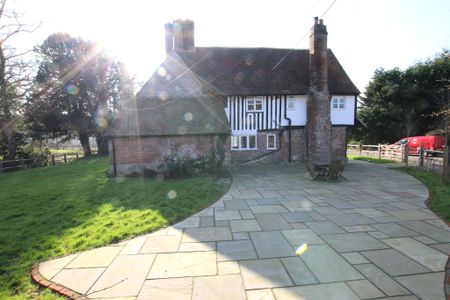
pixel 179 35
pixel 319 121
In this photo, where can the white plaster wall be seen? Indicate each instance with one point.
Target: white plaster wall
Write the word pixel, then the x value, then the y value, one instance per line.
pixel 343 116
pixel 297 115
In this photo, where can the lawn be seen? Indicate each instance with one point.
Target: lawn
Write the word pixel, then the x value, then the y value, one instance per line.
pixel 440 194
pixel 57 210
pixel 370 159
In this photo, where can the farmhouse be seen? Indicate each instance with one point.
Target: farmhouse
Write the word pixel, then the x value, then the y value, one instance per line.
pixel 236 104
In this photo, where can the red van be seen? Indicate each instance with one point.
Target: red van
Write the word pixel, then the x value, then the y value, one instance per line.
pixel 430 143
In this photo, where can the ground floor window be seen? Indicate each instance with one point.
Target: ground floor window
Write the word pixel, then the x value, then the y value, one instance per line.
pixel 243 142
pixel 271 141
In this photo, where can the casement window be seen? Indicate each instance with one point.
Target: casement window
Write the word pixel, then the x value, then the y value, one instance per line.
pixel 271 141
pixel 338 103
pixel 243 142
pixel 291 103
pixel 255 103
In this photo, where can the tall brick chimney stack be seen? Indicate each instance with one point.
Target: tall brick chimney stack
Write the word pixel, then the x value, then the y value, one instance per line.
pixel 319 121
pixel 179 35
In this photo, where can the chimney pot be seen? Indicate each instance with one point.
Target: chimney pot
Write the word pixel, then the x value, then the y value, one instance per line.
pixel 180 36
pixel 321 21
pixel 316 20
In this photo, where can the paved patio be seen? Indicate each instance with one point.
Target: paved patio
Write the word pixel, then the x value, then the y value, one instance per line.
pixel 370 236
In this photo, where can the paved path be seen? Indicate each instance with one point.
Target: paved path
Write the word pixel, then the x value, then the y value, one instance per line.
pixel 370 236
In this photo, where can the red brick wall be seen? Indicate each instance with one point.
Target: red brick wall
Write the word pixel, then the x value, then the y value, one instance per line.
pixel 137 154
pixel 298 140
pixel 339 142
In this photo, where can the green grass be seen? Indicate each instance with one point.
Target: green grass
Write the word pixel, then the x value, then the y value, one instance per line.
pixel 440 193
pixel 57 210
pixel 62 151
pixel 370 159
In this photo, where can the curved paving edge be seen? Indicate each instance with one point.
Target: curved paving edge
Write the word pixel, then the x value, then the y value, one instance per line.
pixel 45 283
pixel 264 186
pixel 447 265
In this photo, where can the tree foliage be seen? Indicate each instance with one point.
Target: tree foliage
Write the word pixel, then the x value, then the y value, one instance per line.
pixel 15 81
pixel 400 103
pixel 77 89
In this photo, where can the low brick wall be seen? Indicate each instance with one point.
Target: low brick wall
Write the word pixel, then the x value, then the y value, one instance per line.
pixel 339 142
pixel 135 155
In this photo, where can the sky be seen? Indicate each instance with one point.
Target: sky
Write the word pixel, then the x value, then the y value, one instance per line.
pixel 363 34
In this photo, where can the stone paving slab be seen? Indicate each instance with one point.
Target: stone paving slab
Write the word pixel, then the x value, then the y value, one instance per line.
pixel 366 239
pixel 394 263
pixel 275 275
pixel 183 264
pixel 379 278
pixel 330 291
pixel 163 289
pixel 221 287
pixel 79 280
pixel 235 250
pixel 351 242
pixel 124 277
pixel 426 286
pixel 328 266
pixel 364 289
pixel 270 244
pixel 426 256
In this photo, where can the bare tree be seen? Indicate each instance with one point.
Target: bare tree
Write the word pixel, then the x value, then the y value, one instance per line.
pixel 15 77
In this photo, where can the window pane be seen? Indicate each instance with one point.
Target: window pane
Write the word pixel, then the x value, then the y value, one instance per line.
pixel 258 106
pixel 270 141
pixel 235 142
pixel 291 103
pixel 244 144
pixel 252 141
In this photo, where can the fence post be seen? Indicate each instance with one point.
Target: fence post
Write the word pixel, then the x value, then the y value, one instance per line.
pixel 65 158
pixel 1 166
pixel 22 164
pixel 421 156
pixel 379 151
pixel 406 154
pixel 445 166
pixel 53 159
pixel 360 149
pixel 76 153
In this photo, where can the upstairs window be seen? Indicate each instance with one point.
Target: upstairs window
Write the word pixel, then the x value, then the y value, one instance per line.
pixel 254 103
pixel 338 103
pixel 291 103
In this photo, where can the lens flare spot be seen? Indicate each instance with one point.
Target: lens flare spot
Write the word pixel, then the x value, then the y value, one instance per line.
pixel 72 89
pixel 101 122
pixel 162 71
pixel 163 95
pixel 302 249
pixel 172 194
pixel 188 117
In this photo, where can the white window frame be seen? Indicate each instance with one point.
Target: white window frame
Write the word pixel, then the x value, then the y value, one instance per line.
pixel 291 103
pixel 274 141
pixel 235 142
pixel 247 141
pixel 338 103
pixel 252 102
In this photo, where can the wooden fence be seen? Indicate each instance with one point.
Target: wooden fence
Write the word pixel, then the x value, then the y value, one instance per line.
pixel 14 165
pixel 395 153
pixel 432 161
